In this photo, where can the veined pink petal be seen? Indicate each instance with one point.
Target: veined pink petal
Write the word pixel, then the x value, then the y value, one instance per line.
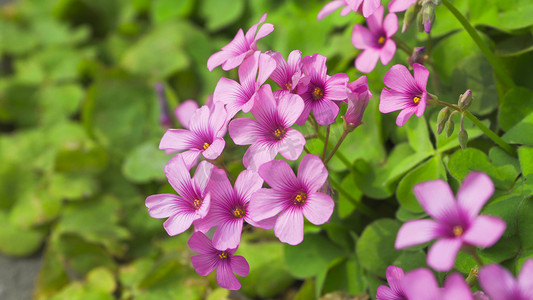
pixel 330 8
pixel 228 92
pixel 371 7
pixel 250 34
pixel 238 44
pixel 387 52
pixel 178 140
pixel 525 278
pixel 217 59
pixel 263 224
pixel 265 111
pixel 455 288
pixel 421 75
pixel 335 87
pixel 325 111
pixel 497 282
pixel 240 266
pixel 279 75
pixel 475 191
pixel 312 172
pixel 200 120
pixel 203 174
pixel 226 278
pixel 398 78
pixel 190 158
pixel 318 208
pixel 416 232
pixel 374 19
pixel 420 284
pixel 305 114
pixel 394 278
pixel 292 144
pixel 201 244
pixel 362 38
pixel 204 264
pixel 392 100
pixel 315 67
pixel 436 198
pixel 400 5
pixel 248 72
pixel 441 256
pixel 366 61
pixel 217 118
pixel 247 183
pixel 386 293
pixel 267 65
pixel 163 205
pixel 290 107
pixel 289 226
pixel 257 155
pixel 244 131
pixel 179 222
pixel 184 111
pixel 214 150
pixel 421 106
pixel 221 187
pixel 278 175
pixel 405 114
pixel 228 234
pixel 265 30
pixel 484 231
pixel 178 176
pixel 266 203
pixel 294 61
pixel 390 25
pixel 236 60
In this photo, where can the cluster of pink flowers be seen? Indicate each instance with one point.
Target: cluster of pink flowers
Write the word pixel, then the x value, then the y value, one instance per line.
pixel 208 201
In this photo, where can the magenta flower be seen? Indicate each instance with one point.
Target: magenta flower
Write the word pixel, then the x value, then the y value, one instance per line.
pixel 292 197
pixel 224 261
pixel 287 73
pixel 420 284
pixel 193 200
pixel 406 93
pixel 456 223
pixel 252 74
pixel 395 291
pixel 321 91
pixel 500 284
pixel 229 208
pixel 358 97
pixel 376 41
pixel 366 7
pixel 204 136
pixel 271 133
pixel 242 46
pixel 400 5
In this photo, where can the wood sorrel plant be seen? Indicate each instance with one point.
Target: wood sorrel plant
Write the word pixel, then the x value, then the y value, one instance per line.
pixel 218 207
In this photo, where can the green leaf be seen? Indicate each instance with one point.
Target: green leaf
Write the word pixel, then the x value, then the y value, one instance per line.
pixel 514 45
pixel 410 260
pixel 517 17
pixel 517 104
pixel 145 163
pixel 101 279
pixel 430 170
pixel 52 276
pixel 525 155
pixel 521 133
pixel 59 102
pixel 18 241
pixel 448 53
pixel 345 205
pixel 375 248
pixel 418 135
pixel 73 186
pixel 219 14
pixel 165 10
pixel 83 256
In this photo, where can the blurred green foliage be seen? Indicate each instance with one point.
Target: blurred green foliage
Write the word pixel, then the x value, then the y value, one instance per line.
pixel 79 129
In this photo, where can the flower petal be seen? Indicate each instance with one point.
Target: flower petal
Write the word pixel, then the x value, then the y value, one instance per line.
pixel 267 65
pixel 366 61
pixel 405 114
pixel 240 265
pixel 398 78
pixel 362 38
pixel 497 282
pixel 289 226
pixel 455 287
pixel 278 175
pixel 400 5
pixel 228 234
pixel 330 8
pixel 247 183
pixel 163 205
pixel 226 278
pixel 416 232
pixel 201 244
pixel 394 278
pixel 179 178
pixel 257 155
pixel 387 52
pixel 484 231
pixel 217 118
pixel 244 131
pixel 231 93
pixel 318 208
pixel 335 87
pixel 421 106
pixel 289 108
pixel 392 100
pixel 215 149
pixel 420 284
pixel 266 203
pixel 203 174
pixel 374 18
pixel 312 172
pixel 386 293
pixel 292 144
pixel 390 25
pixel 204 264
pixel 441 256
pixel 218 58
pixel 525 279
pixel 325 111
pixel 437 199
pixel 475 191
pixel 421 75
pixel 179 222
pixel 178 140
pixel 184 111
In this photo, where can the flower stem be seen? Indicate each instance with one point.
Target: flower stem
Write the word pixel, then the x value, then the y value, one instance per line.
pixel 343 136
pixel 326 142
pixel 493 136
pixel 501 72
pixel 403 46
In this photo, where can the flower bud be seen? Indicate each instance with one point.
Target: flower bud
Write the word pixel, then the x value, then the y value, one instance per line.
pixel 164 116
pixel 473 276
pixel 428 16
pixel 442 118
pixel 417 56
pixel 449 127
pixel 465 99
pixel 463 138
pixel 357 97
pixel 410 16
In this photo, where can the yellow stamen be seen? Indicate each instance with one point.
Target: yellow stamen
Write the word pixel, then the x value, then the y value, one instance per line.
pixel 288 86
pixel 197 203
pixel 223 255
pixel 457 230
pixel 381 40
pixel 206 145
pixel 238 212
pixel 318 93
pixel 279 133
pixel 416 99
pixel 300 199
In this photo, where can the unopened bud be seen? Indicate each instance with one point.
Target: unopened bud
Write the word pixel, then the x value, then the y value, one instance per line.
pixel 442 118
pixel 465 99
pixel 463 138
pixel 418 56
pixel 410 16
pixel 473 276
pixel 449 127
pixel 428 16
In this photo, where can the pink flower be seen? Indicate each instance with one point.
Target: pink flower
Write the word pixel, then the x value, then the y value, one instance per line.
pixel 358 97
pixel 287 73
pixel 229 208
pixel 500 284
pixel 400 5
pixel 395 291
pixel 184 112
pixel 321 91
pixel 240 47
pixel 376 41
pixel 420 284
pixel 225 262
pixel 366 7
pixel 252 74
pixel 204 136
pixel 456 223
pixel 406 93
pixel 292 197
pixel 271 133
pixel 193 200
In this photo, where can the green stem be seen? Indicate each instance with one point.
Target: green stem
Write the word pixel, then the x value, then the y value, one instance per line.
pixel 343 136
pixel 326 142
pixel 403 46
pixel 357 203
pixel 501 72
